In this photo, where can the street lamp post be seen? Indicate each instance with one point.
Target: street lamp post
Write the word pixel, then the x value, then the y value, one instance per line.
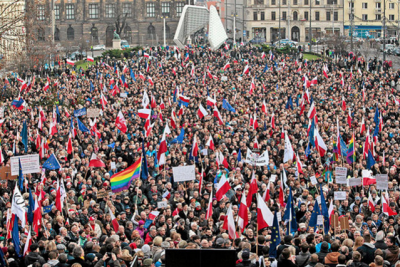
pixel 384 30
pixel 164 30
pixel 309 32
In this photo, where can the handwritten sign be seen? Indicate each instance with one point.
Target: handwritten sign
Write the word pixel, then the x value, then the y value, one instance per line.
pixel 340 195
pixel 320 219
pixel 273 178
pixel 279 215
pixel 113 166
pixel 184 173
pixel 224 78
pixel 103 194
pixel 341 180
pixel 93 112
pixel 1 112
pixel 382 181
pixel 341 173
pixel 313 180
pixel 29 164
pixel 124 95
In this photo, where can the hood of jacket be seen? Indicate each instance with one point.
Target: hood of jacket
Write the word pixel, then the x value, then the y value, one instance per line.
pixel 332 257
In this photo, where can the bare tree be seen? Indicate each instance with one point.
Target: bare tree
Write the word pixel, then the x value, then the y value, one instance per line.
pixel 120 23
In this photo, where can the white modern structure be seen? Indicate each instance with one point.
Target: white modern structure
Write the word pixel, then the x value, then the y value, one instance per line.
pixel 193 19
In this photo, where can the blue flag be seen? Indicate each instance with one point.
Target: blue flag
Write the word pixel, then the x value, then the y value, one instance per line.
pixel 227 106
pixel 239 157
pixel 147 223
pixel 51 163
pixel 20 176
pixel 47 209
pixel 18 103
pixel 275 237
pixel 343 147
pixel 289 103
pixel 314 215
pixel 82 127
pixel 324 210
pixel 308 150
pixel 31 207
pixel 2 257
pixel 24 135
pixel 290 215
pixel 132 75
pixel 376 117
pixel 370 160
pixel 266 67
pixel 376 131
pixel 179 139
pixel 15 237
pixel 311 100
pixel 58 114
pixel 265 125
pixel 145 171
pixel 91 86
pixel 112 145
pixel 311 133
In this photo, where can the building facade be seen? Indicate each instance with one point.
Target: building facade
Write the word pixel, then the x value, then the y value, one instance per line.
pixel 271 20
pixel 368 18
pixel 91 22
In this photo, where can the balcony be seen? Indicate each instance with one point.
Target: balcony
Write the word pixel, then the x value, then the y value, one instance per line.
pixel 378 11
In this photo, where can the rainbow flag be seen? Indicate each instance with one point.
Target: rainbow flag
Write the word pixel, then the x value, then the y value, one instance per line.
pixel 335 150
pixel 122 180
pixel 351 156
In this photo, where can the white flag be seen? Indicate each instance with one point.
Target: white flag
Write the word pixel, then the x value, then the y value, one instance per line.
pixel 289 154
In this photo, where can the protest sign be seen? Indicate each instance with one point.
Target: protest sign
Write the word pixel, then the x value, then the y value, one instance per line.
pixel 224 78
pixel 80 112
pixel 184 173
pixel 123 95
pixel 93 112
pixel 257 160
pixel 103 193
pixel 29 164
pixel 162 204
pixel 320 219
pixel 5 173
pixel 340 175
pixel 355 181
pixel 340 195
pixel 341 180
pixel 313 180
pixel 382 181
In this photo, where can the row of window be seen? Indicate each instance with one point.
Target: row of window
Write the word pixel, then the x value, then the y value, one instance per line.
pixel 296 16
pixel 296 2
pixel 378 17
pixel 378 5
pixel 110 10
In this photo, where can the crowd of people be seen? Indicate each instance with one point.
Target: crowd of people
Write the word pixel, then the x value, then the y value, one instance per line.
pixel 259 104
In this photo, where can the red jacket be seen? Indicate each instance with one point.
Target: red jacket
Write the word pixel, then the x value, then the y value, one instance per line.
pixel 148 239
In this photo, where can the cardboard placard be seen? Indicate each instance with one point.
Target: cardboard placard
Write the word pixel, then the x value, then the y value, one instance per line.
pixel 162 204
pixel 320 219
pixel 113 166
pixel 344 223
pixel 103 194
pixel 124 95
pixel 341 171
pixel 1 112
pixel 224 78
pixel 273 178
pixel 184 173
pixel 341 180
pixel 5 173
pixel 355 181
pixel 382 181
pixel 334 220
pixel 29 164
pixel 93 112
pixel 313 180
pixel 340 195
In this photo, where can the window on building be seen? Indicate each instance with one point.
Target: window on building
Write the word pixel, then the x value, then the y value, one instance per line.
pixel 150 10
pixel 57 34
pixel 273 15
pixel 179 8
pixel 316 15
pixel 332 2
pixel 306 15
pixel 364 17
pixel 294 2
pixel 306 2
pixel 378 17
pixel 127 9
pixel 273 2
pixel 391 5
pixel 317 2
pixel 40 12
pixel 378 5
pixel 364 5
pixel 335 16
pixel 57 12
pixel 328 16
pixel 284 2
pixel 262 15
pixel 70 33
pixel 41 34
pixel 391 17
pixel 295 15
pixel 165 9
pixel 94 11
pixel 255 16
pixel 110 10
pixel 351 5
pixel 70 11
pixel 284 15
pixel 94 32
